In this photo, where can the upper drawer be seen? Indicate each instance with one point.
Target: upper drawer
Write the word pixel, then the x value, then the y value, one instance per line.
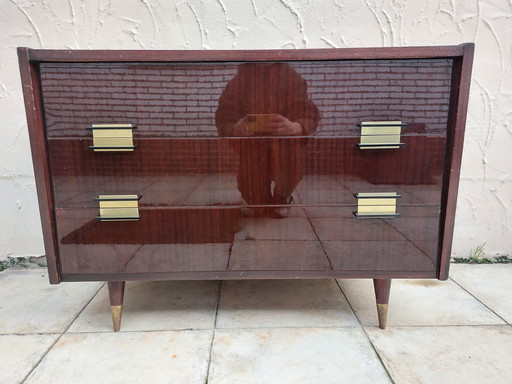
pixel 329 98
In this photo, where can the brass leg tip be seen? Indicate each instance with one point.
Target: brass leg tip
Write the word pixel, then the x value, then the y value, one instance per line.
pixel 382 311
pixel 117 311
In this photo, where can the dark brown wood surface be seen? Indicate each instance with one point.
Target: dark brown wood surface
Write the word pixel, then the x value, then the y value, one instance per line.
pixel 48 55
pixel 382 289
pixel 116 292
pixel 190 100
pixel 169 172
pixel 260 275
pixel 223 239
pixel 461 81
pixel 188 169
pixel 36 128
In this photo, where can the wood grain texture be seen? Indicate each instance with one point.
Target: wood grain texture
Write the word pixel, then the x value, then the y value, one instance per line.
pixel 36 128
pixel 238 275
pixel 116 292
pixel 224 239
pixel 44 55
pixel 202 172
pixel 210 194
pixel 190 100
pixel 382 289
pixel 461 81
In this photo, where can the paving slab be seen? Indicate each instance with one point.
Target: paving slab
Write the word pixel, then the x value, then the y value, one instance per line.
pixel 283 303
pixel 289 228
pixel 285 331
pixel 489 283
pixel 134 357
pixel 469 355
pixel 294 255
pixel 415 302
pixel 294 355
pixel 30 304
pixel 154 306
pixel 19 354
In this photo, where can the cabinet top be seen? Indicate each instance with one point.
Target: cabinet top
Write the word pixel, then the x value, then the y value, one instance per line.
pixel 67 55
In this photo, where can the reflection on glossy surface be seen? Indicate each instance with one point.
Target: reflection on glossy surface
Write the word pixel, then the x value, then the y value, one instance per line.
pixel 224 239
pixel 171 226
pixel 165 173
pixel 222 148
pixel 269 100
pixel 180 100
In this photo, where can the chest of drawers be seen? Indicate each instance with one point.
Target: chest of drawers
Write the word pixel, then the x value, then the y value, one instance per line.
pixel 167 165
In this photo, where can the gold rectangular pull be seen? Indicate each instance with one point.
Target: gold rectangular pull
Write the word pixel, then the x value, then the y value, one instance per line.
pixel 118 207
pixel 381 135
pixel 112 137
pixel 377 205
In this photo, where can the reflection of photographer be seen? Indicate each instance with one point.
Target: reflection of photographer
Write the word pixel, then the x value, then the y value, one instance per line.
pixel 266 124
pixel 261 104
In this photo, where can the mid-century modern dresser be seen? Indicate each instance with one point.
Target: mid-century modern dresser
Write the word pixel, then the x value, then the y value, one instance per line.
pixel 271 164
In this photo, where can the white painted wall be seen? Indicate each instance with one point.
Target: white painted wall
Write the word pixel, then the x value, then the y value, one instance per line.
pixel 484 212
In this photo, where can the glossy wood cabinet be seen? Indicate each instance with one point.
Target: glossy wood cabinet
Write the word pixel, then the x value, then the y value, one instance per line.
pixel 325 163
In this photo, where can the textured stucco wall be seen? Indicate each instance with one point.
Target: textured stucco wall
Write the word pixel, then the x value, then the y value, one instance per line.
pixel 484 212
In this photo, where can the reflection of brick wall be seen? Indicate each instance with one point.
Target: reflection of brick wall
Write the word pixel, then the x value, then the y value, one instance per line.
pixel 416 92
pixel 173 100
pixel 180 100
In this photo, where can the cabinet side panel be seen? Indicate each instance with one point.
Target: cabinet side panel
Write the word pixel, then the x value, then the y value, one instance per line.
pixel 461 80
pixel 34 112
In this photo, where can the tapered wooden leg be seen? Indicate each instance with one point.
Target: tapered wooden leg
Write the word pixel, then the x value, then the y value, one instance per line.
pixel 116 294
pixel 382 289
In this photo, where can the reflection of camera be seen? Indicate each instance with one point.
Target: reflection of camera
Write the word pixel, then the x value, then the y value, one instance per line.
pixel 258 123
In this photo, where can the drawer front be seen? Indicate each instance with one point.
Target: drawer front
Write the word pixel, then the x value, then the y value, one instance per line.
pixel 227 240
pixel 181 172
pixel 206 99
pixel 163 172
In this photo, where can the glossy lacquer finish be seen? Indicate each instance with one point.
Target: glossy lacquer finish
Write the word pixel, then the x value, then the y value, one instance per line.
pixel 203 99
pixel 224 190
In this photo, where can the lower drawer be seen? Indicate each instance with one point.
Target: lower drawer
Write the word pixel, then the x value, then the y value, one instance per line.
pixel 223 239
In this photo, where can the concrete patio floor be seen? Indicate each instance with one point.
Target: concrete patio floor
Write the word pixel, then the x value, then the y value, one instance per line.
pixel 282 331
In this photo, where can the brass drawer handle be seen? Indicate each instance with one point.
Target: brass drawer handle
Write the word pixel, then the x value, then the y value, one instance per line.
pixel 381 134
pixel 112 137
pixel 118 207
pixel 377 205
